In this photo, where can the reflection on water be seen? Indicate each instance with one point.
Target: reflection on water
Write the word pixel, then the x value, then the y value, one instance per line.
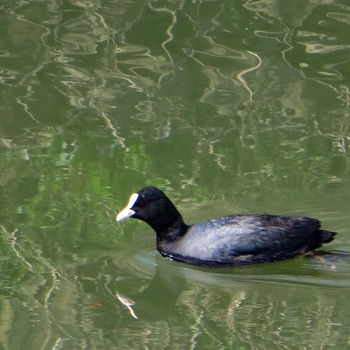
pixel 234 306
pixel 71 298
pixel 228 107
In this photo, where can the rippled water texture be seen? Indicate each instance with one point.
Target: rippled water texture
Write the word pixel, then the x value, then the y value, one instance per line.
pixel 229 107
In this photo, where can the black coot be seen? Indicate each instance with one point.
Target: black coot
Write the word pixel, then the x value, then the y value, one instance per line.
pixel 227 241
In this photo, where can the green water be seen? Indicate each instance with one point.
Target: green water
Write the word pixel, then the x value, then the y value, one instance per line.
pixel 229 107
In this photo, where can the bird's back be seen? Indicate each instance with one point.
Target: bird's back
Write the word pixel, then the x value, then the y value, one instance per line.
pixel 245 239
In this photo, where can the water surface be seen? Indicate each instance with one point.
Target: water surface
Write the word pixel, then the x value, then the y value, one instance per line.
pixel 229 107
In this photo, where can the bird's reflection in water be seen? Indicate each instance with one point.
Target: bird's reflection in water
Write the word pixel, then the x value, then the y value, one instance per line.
pixel 158 299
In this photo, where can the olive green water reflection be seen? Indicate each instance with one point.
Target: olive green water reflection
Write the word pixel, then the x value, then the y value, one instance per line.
pixel 228 106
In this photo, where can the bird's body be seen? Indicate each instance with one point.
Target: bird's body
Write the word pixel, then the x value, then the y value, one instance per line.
pixel 227 241
pixel 245 239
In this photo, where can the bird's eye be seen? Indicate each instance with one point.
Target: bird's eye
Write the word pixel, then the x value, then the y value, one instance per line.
pixel 141 204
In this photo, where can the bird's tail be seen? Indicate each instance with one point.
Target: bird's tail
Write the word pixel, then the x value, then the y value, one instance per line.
pixel 327 236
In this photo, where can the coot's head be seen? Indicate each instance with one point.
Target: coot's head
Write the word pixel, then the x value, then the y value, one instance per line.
pixel 144 205
pixel 151 205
